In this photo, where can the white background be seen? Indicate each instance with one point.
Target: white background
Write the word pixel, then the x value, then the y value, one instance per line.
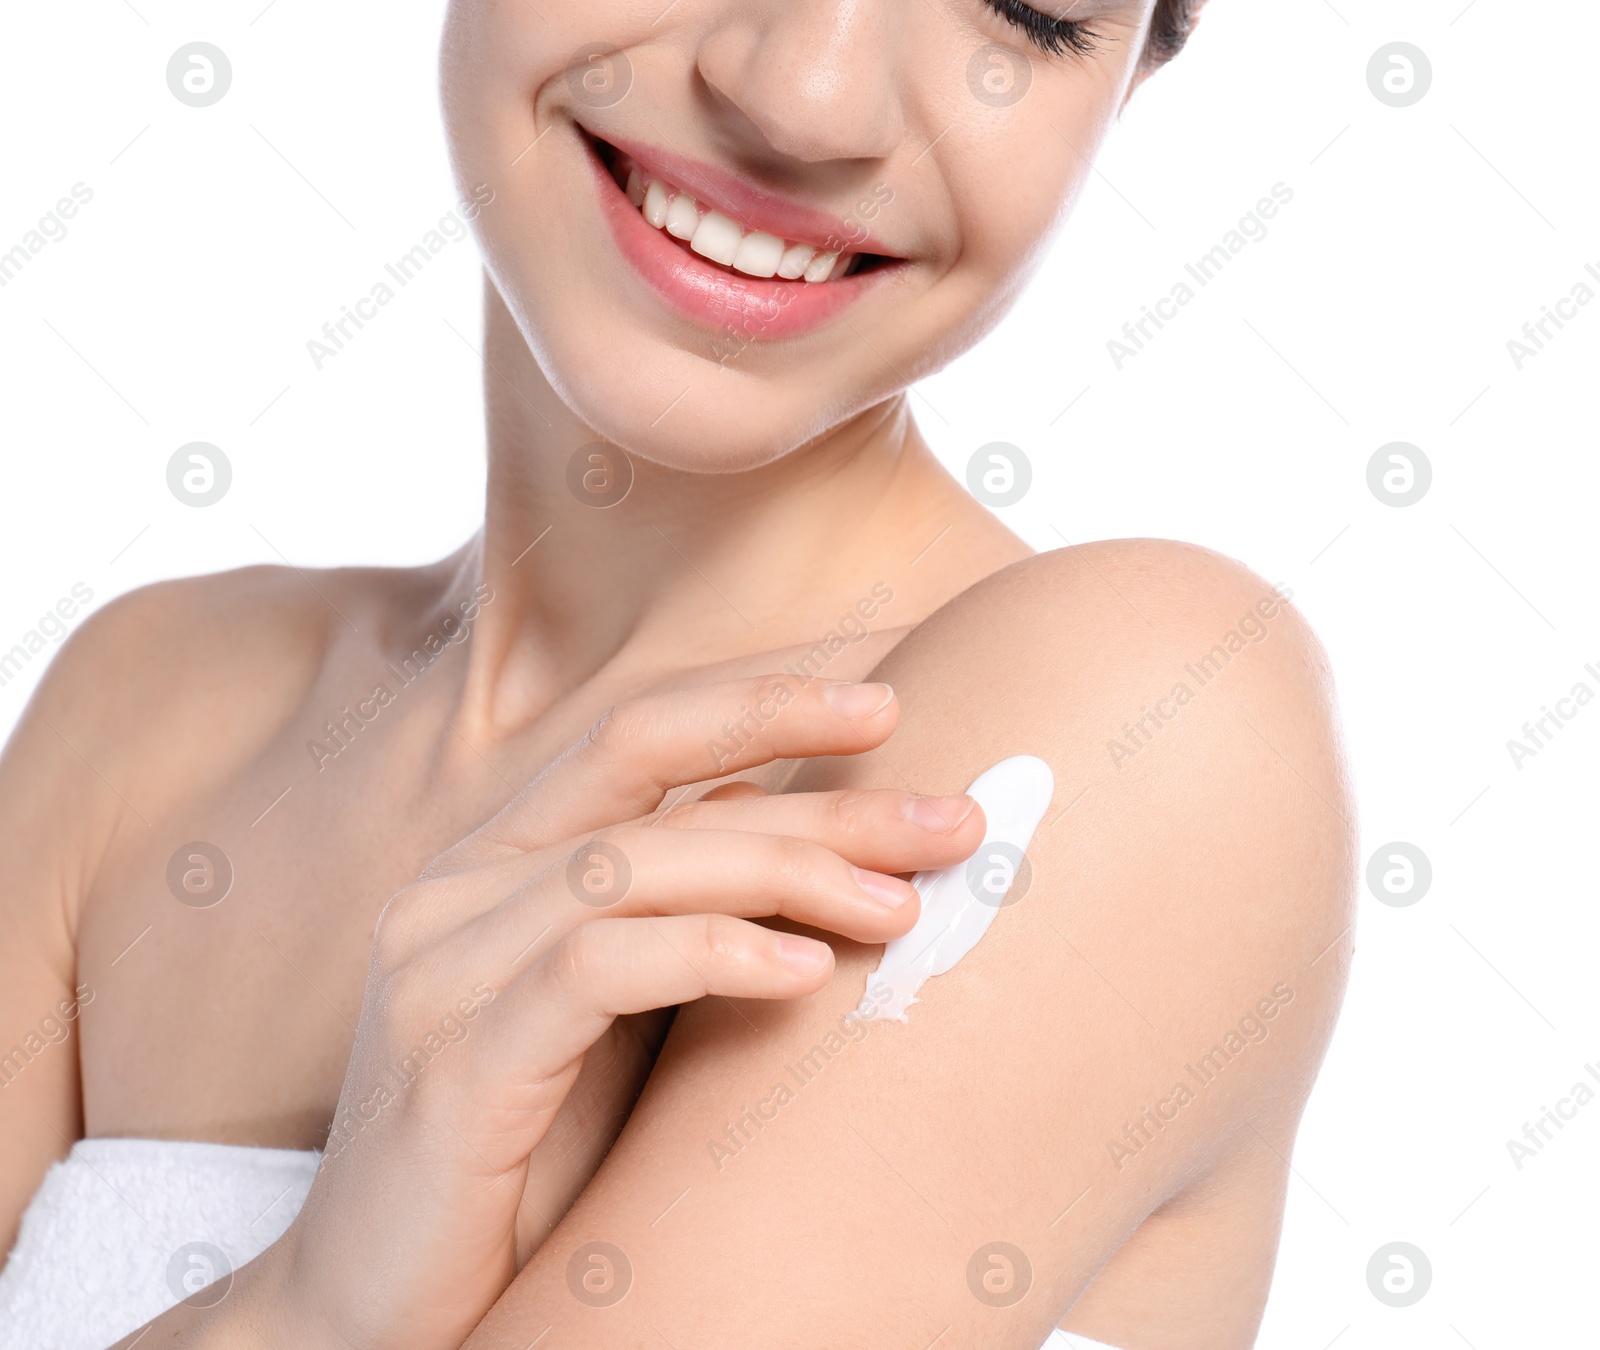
pixel 1378 309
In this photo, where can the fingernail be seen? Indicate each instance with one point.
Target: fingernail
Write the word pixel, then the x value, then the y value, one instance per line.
pixel 857 700
pixel 804 956
pixel 886 890
pixel 941 814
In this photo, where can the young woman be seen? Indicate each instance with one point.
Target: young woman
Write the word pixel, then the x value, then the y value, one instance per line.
pixel 370 893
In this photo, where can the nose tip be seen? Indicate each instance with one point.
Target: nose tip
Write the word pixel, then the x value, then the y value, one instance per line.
pixel 807 81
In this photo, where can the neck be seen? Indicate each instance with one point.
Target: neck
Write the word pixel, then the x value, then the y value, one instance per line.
pixel 689 570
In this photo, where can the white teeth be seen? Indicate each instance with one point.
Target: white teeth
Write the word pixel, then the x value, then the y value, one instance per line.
pixel 655 205
pixel 759 254
pixel 683 217
pixel 713 235
pixel 796 258
pixel 717 238
pixel 821 267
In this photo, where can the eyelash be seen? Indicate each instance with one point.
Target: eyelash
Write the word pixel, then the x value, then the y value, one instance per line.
pixel 1055 36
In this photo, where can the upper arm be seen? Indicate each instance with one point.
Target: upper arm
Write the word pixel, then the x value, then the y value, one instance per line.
pixel 57 807
pixel 1156 1002
pixel 142 702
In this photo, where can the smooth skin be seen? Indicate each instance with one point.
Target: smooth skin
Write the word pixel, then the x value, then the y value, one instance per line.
pixel 1175 891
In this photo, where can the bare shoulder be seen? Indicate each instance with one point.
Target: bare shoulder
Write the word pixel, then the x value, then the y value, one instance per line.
pixel 1097 619
pixel 1146 1018
pixel 1152 674
pixel 1202 834
pixel 1189 716
pixel 171 683
pixel 155 695
pixel 161 694
pixel 166 642
pixel 144 701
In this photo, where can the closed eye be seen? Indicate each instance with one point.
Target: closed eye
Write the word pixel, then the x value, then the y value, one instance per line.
pixel 1056 36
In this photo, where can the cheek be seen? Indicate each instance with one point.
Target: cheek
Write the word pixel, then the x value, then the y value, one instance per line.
pixel 482 73
pixel 502 71
pixel 492 67
pixel 1013 185
pixel 495 58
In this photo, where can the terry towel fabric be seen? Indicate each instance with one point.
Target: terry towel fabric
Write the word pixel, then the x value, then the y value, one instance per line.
pixel 124 1229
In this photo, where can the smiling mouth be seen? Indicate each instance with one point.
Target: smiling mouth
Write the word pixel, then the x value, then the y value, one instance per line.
pixel 722 241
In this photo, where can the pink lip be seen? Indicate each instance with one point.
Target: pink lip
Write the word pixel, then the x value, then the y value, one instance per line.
pixel 747 308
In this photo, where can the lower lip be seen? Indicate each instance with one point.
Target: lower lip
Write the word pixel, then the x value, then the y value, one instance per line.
pixel 748 308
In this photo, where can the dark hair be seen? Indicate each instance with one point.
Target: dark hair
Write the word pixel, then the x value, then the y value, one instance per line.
pixel 1170 27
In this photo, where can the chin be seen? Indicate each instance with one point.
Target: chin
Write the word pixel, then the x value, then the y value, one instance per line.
pixel 661 403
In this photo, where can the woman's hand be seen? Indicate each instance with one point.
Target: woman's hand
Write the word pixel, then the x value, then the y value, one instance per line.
pixel 519 949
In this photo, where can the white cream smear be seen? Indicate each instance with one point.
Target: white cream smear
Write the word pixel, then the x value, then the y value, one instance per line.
pixel 960 902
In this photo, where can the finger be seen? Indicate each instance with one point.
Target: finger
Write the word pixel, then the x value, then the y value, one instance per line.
pixel 612 967
pixel 882 829
pixel 639 871
pixel 642 749
pixel 727 792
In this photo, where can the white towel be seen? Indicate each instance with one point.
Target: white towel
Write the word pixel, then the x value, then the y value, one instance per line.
pixel 124 1229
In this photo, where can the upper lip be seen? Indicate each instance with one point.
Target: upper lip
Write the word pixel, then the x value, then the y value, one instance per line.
pixel 751 206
